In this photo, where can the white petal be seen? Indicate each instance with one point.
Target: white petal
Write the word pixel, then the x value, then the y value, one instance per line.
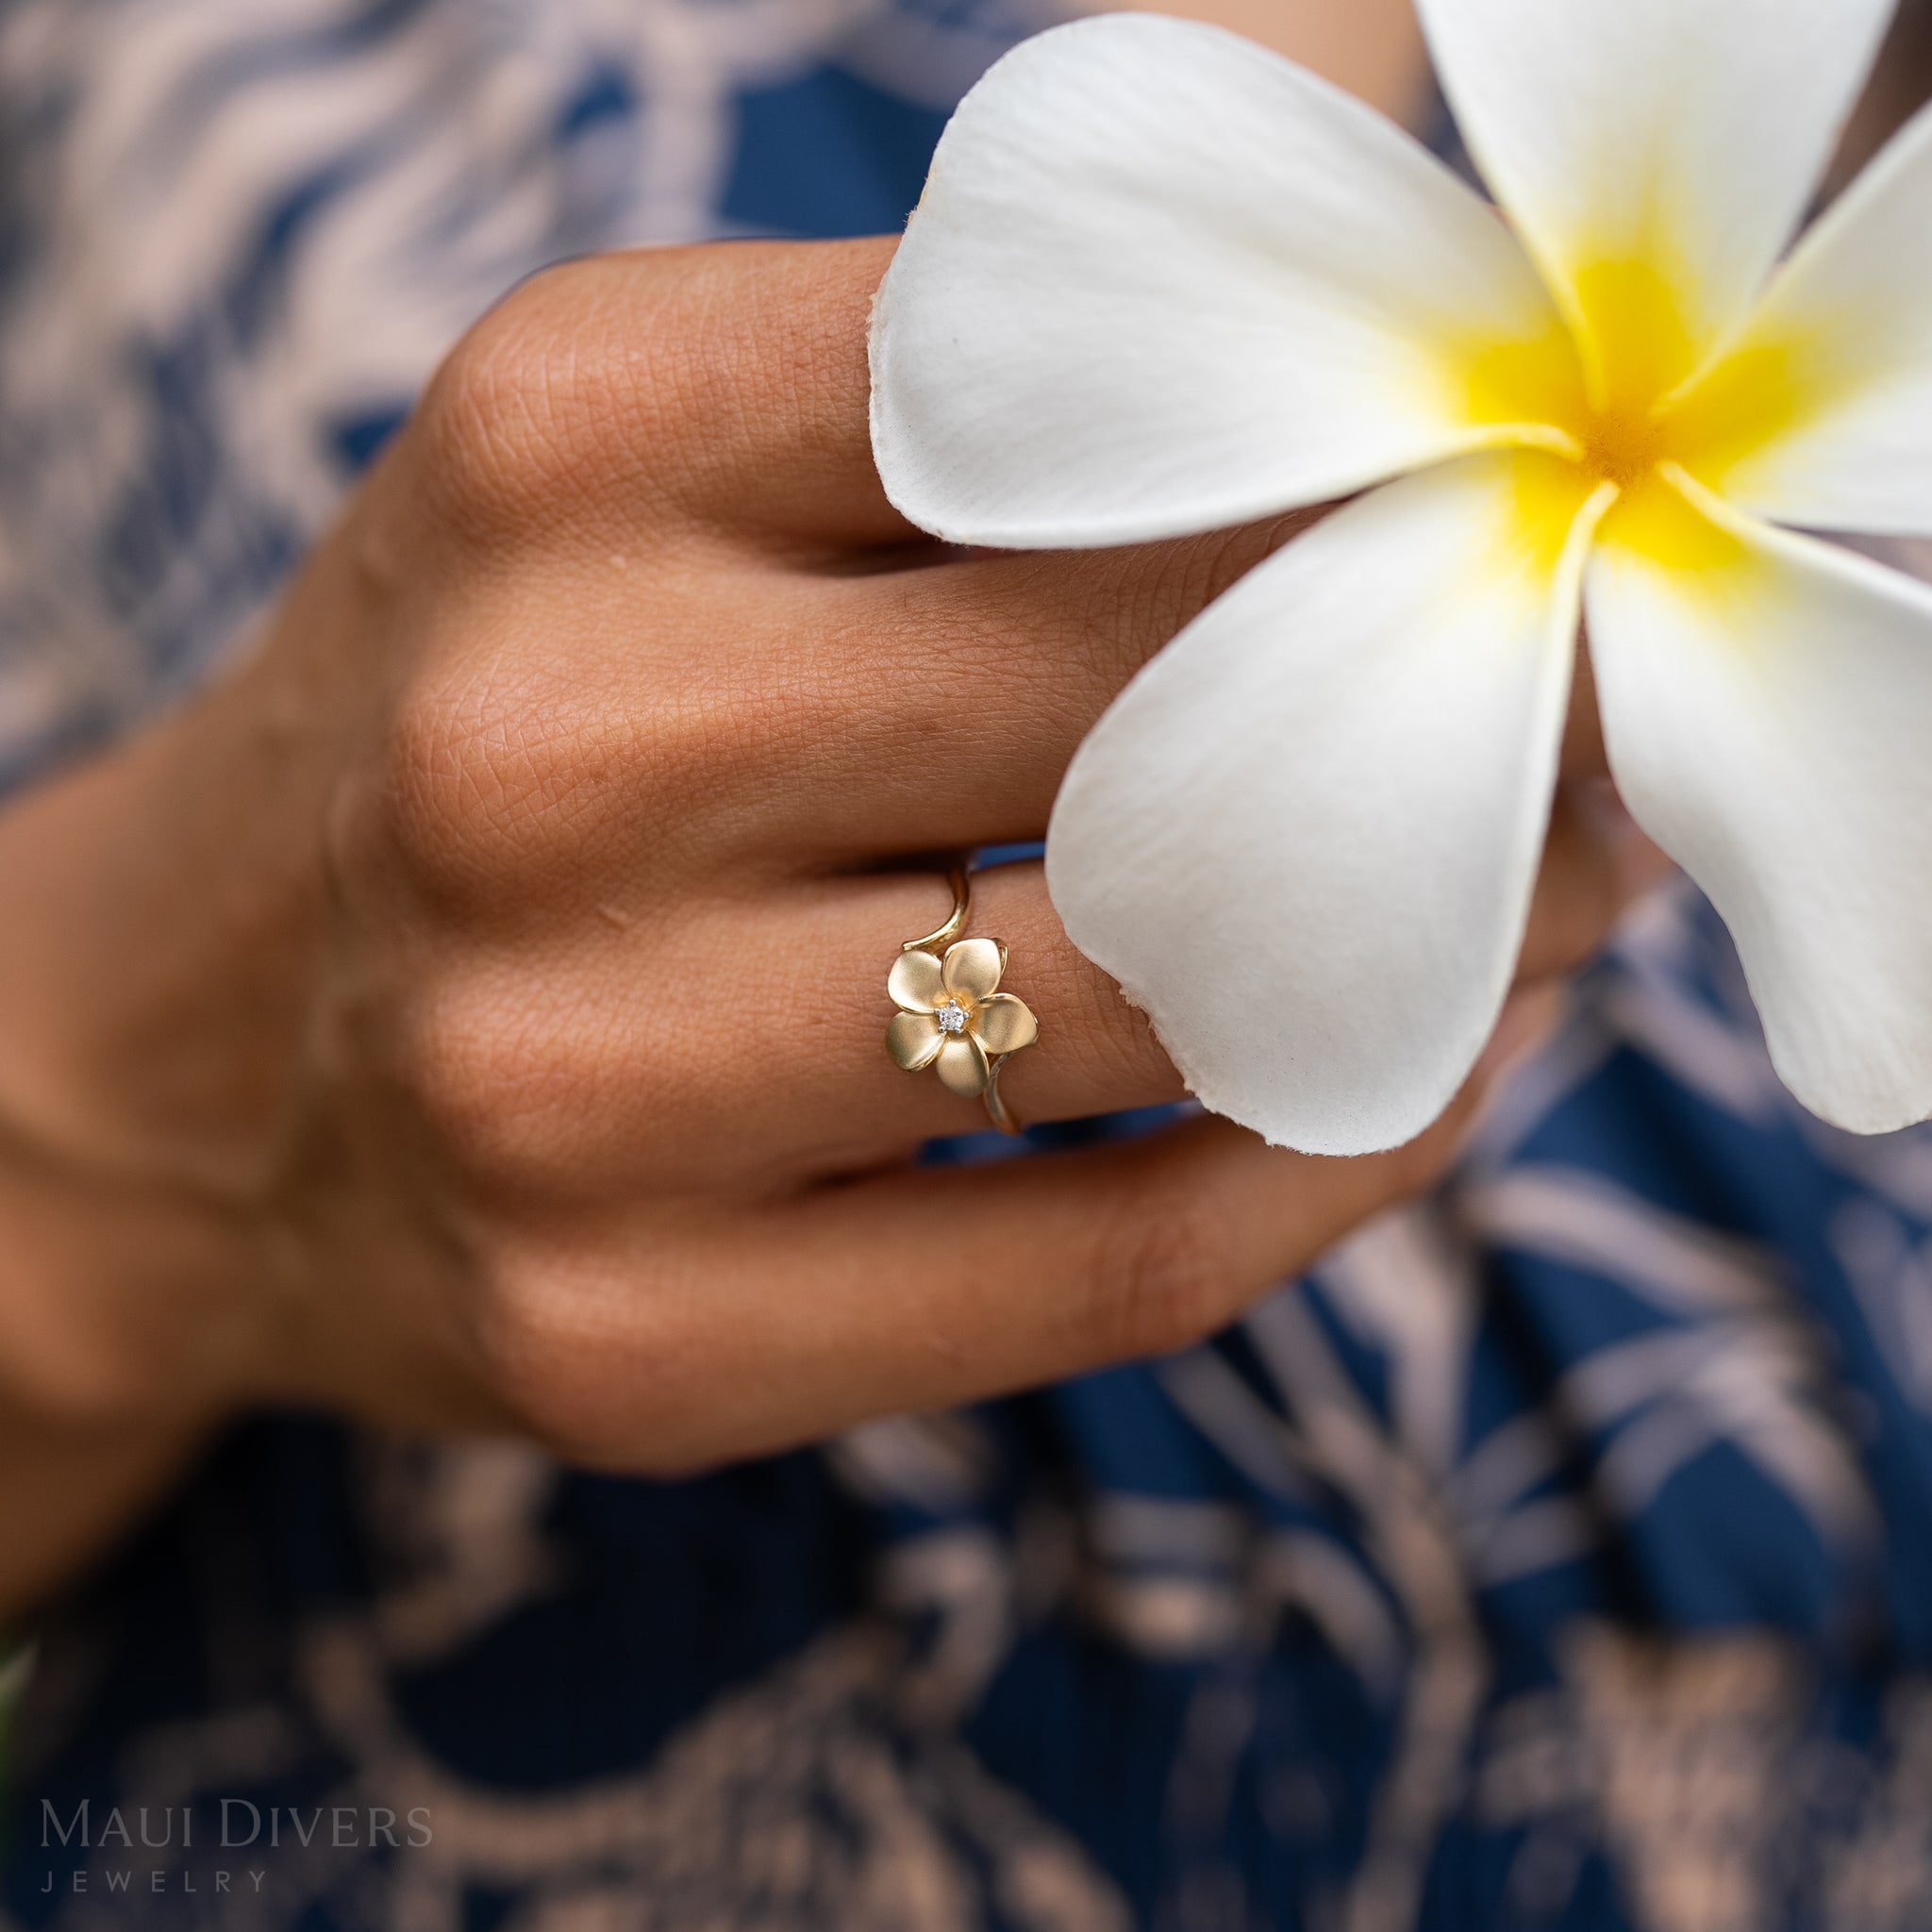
pixel 1655 154
pixel 1766 700
pixel 1827 398
pixel 1304 838
pixel 1162 280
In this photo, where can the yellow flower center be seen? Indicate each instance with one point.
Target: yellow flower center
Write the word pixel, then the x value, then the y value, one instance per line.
pixel 1616 399
pixel 1621 447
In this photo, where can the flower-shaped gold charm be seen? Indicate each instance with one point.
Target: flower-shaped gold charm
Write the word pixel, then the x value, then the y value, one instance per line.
pixel 953 1016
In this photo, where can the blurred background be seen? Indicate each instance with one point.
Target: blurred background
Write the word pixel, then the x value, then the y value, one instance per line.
pixel 1558 1554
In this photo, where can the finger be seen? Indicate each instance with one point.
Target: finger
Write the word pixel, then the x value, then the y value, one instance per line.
pixel 822 726
pixel 1596 863
pixel 1584 755
pixel 1097 1053
pixel 997 667
pixel 730 383
pixel 753 1051
pixel 744 1045
pixel 781 390
pixel 938 1286
pixel 981 679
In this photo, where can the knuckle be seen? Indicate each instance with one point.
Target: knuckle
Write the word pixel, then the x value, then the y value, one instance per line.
pixel 517 422
pixel 438 805
pixel 486 421
pixel 534 1354
pixel 569 389
pixel 727 746
pixel 488 777
pixel 480 775
pixel 690 737
pixel 1164 1273
pixel 576 1360
pixel 480 1077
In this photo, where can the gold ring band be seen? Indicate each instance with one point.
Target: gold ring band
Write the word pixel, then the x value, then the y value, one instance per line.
pixel 960 882
pixel 952 1015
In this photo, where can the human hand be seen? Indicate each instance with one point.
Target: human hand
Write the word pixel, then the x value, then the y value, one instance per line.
pixel 469 1016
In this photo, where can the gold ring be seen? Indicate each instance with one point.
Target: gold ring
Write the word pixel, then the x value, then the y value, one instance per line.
pixel 952 1015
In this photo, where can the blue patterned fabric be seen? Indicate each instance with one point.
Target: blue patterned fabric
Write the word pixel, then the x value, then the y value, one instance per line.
pixel 1559 1555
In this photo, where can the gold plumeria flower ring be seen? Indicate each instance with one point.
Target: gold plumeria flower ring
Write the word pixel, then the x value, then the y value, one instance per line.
pixel 952 1017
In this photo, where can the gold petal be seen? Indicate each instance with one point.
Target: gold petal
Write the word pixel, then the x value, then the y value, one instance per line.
pixel 917 982
pixel 913 1039
pixel 962 1066
pixel 1006 1024
pixel 973 967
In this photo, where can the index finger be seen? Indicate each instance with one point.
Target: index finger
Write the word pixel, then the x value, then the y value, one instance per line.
pixel 727 381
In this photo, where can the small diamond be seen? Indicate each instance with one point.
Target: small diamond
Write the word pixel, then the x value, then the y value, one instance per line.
pixel 952 1017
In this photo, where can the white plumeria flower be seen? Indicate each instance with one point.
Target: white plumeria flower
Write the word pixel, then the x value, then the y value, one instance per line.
pixel 1163 282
